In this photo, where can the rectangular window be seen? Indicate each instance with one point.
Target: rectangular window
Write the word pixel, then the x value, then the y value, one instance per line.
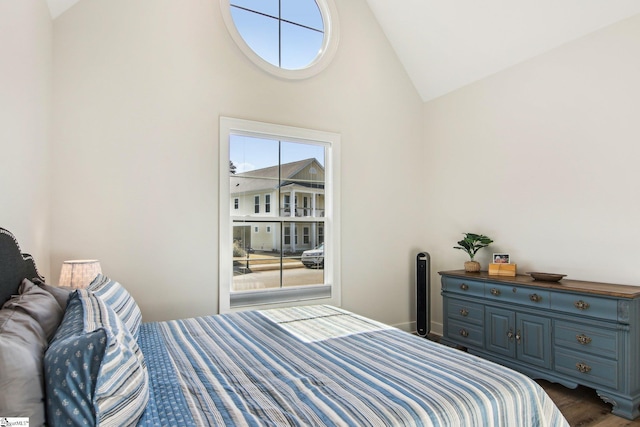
pixel 292 164
pixel 287 235
pixel 236 203
pixel 286 205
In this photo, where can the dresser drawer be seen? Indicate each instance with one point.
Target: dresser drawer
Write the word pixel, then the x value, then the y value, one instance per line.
pixel 465 334
pixel 585 305
pixel 517 294
pixel 588 339
pixel 587 368
pixel 462 286
pixel 465 311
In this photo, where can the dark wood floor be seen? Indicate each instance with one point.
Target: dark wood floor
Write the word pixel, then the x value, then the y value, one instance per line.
pixel 583 408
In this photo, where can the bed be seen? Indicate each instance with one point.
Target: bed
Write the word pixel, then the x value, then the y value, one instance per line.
pixel 87 359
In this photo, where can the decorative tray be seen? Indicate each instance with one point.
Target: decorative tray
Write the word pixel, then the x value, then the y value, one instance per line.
pixel 546 277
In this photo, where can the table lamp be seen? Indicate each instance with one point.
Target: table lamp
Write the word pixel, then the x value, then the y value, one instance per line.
pixel 79 273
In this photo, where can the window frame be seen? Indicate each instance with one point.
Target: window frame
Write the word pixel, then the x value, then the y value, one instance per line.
pixel 330 291
pixel 329 14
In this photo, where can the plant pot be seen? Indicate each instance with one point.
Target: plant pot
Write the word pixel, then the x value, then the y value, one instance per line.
pixel 472 266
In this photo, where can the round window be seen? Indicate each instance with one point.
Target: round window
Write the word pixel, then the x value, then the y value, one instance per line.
pixel 288 38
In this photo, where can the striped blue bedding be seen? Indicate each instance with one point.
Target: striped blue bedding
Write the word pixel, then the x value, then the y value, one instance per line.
pixel 321 365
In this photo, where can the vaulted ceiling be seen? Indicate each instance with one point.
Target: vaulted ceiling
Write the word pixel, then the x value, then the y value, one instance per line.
pixel 445 45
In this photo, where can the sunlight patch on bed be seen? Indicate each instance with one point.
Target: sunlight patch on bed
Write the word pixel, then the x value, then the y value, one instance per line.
pixel 321 322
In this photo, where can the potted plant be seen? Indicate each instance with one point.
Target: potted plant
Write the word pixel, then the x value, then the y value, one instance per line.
pixel 471 244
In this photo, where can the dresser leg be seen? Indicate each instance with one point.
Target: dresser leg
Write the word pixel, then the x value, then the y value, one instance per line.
pixel 622 406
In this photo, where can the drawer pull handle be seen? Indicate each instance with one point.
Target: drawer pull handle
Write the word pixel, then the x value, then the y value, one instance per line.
pixel 464 312
pixel 518 336
pixel 495 292
pixel 510 334
pixel 464 287
pixel 583 339
pixel 583 367
pixel 581 305
pixel 464 333
pixel 535 297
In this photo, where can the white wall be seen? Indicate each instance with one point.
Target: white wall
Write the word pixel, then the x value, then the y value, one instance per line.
pixel 139 87
pixel 25 97
pixel 543 158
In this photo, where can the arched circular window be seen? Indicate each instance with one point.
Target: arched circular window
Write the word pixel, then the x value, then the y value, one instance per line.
pixel 292 39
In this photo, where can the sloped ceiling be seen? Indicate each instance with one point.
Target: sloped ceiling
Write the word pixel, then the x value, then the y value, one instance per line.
pixel 445 45
pixel 58 7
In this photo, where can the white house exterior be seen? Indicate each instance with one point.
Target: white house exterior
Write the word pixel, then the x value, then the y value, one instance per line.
pixel 295 190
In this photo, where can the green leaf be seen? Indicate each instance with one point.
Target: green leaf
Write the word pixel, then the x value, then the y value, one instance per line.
pixel 472 243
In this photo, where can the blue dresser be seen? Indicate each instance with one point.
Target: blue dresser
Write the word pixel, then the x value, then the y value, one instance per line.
pixel 570 332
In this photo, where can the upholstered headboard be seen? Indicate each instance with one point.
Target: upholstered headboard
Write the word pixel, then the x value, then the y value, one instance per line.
pixel 14 266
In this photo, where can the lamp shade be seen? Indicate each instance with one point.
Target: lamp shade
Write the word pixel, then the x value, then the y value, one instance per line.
pixel 79 273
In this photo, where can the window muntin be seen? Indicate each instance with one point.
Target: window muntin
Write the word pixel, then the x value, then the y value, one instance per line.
pixel 292 39
pixel 305 171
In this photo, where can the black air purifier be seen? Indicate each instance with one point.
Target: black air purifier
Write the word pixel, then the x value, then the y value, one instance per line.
pixel 423 280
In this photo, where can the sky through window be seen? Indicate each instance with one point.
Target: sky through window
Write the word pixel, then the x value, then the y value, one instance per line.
pixel 288 34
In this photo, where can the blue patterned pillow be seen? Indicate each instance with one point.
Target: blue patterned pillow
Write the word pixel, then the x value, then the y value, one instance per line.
pixel 95 373
pixel 121 301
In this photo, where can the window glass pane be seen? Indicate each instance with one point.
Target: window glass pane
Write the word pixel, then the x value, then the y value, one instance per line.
pixel 304 13
pixel 253 172
pixel 259 262
pixel 261 33
pixel 300 46
pixel 256 256
pixel 303 260
pixel 269 7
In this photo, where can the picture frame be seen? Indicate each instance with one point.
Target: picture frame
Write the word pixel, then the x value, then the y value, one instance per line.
pixel 501 258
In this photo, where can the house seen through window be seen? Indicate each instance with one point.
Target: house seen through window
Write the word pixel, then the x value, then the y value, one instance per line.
pixel 281 207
